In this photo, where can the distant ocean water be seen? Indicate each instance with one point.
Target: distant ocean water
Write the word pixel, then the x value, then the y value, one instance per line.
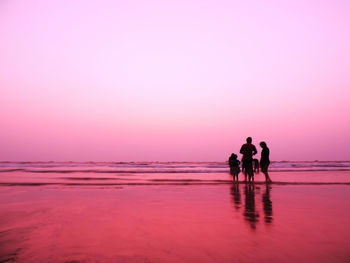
pixel 163 167
pixel 116 174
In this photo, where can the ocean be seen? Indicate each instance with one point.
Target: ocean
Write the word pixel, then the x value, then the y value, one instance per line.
pixel 137 212
pixel 133 173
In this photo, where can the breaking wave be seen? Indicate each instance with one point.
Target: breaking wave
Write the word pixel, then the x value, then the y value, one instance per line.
pixel 162 167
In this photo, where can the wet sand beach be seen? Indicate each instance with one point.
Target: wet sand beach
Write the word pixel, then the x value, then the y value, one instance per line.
pixel 75 217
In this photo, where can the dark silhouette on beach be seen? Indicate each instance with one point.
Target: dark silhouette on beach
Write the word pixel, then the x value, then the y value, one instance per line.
pixel 267 204
pixel 256 165
pixel 234 166
pixel 248 150
pixel 265 161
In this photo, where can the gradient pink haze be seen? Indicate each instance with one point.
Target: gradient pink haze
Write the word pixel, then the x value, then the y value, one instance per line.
pixel 173 80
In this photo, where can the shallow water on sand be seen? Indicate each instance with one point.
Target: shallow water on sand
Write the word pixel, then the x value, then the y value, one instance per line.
pixel 175 223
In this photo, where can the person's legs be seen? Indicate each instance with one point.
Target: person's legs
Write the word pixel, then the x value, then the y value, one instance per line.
pixel 252 175
pixel 237 172
pixel 267 177
pixel 249 169
pixel 244 171
pixel 248 166
pixel 264 169
pixel 256 165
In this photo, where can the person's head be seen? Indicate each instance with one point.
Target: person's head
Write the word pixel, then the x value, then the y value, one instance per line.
pixel 249 140
pixel 234 156
pixel 263 144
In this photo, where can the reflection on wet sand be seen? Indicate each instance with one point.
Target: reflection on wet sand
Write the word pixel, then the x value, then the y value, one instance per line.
pixel 177 223
pixel 236 196
pixel 267 203
pixel 251 213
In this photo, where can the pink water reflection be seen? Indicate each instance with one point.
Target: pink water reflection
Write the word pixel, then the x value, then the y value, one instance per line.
pixel 217 223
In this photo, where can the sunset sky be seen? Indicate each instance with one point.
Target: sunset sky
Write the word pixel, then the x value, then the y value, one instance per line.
pixel 173 80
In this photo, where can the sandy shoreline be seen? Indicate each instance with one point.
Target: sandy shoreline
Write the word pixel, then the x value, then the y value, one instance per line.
pixel 21 178
pixel 175 223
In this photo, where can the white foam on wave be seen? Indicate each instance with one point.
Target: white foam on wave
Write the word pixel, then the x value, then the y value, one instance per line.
pixel 162 167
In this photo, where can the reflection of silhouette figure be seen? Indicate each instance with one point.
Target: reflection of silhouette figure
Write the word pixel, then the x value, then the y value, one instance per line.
pixel 267 203
pixel 248 150
pixel 234 166
pixel 265 161
pixel 236 196
pixel 249 213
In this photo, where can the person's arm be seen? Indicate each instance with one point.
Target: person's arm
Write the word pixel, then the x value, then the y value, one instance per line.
pixel 254 150
pixel 242 150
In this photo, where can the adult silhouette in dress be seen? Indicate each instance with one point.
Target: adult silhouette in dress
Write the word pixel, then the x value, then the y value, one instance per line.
pixel 265 161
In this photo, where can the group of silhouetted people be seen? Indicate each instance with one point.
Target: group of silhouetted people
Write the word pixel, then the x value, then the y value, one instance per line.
pixel 249 164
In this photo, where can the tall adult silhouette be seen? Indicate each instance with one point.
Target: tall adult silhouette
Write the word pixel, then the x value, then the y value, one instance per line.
pixel 265 161
pixel 248 150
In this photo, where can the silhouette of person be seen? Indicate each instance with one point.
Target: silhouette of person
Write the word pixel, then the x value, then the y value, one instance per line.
pixel 248 150
pixel 267 204
pixel 234 166
pixel 265 161
pixel 256 165
pixel 250 213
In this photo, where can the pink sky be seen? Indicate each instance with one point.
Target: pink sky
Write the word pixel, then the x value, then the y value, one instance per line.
pixel 173 80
